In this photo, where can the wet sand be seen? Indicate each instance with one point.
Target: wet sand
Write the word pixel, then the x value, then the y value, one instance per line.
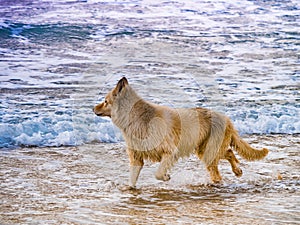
pixel 87 185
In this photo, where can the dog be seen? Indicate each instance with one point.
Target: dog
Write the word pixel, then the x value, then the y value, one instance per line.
pixel 163 134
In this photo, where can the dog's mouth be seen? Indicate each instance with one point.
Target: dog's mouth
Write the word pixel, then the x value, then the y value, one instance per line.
pixel 103 115
pixel 98 114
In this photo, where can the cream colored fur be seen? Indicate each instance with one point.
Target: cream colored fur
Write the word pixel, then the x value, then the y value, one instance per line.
pixel 162 134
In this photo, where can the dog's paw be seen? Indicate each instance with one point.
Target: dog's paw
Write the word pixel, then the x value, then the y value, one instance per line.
pixel 238 172
pixel 126 188
pixel 217 181
pixel 164 177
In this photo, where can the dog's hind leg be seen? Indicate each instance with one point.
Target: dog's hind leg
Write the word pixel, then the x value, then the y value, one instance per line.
pixel 165 165
pixel 212 167
pixel 229 155
pixel 213 170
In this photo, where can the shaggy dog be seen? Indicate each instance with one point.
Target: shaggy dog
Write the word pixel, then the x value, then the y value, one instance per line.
pixel 162 134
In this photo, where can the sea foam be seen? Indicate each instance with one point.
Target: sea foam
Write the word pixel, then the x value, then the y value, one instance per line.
pixel 78 129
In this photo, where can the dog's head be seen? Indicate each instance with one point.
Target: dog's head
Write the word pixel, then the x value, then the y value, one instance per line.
pixel 104 108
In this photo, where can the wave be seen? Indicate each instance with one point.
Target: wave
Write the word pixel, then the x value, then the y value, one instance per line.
pixel 45 33
pixel 57 131
pixel 80 128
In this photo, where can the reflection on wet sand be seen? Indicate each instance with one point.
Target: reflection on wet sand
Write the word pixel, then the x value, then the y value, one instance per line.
pixel 87 185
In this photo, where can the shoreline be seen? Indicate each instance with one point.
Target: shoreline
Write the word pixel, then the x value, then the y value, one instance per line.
pixel 244 136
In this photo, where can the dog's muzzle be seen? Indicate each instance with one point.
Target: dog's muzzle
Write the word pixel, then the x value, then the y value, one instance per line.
pixel 98 114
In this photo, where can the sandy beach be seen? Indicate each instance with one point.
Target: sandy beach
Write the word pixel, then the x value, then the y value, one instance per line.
pixel 87 185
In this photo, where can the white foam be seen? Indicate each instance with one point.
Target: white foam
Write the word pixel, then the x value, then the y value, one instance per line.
pixel 57 132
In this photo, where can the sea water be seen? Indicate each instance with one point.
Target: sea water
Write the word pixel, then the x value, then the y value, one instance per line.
pixel 59 58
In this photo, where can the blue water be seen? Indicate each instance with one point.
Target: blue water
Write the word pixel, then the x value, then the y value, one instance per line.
pixel 59 58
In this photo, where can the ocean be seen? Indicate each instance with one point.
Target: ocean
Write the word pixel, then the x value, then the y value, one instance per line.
pixel 59 58
pixel 61 164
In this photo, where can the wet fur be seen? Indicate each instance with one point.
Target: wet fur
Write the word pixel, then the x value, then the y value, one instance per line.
pixel 163 134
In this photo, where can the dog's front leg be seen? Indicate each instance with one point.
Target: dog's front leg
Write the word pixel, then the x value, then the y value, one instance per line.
pixel 165 165
pixel 134 175
pixel 136 164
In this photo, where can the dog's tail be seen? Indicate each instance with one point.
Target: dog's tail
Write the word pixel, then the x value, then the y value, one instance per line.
pixel 245 150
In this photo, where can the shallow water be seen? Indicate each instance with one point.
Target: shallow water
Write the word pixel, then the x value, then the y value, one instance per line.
pixel 88 185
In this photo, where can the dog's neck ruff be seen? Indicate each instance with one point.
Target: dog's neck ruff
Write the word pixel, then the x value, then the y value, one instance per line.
pixel 123 107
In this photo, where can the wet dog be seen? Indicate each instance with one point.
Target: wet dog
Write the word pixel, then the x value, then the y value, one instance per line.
pixel 163 134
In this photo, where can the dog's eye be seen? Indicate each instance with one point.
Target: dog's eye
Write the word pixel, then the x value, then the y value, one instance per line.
pixel 105 101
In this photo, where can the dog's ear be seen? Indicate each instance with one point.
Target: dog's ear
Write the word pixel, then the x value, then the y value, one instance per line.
pixel 121 84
